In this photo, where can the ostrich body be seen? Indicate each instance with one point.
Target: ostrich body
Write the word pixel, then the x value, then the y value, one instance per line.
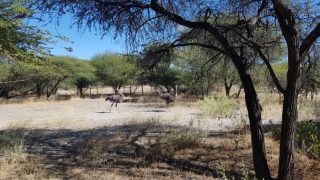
pixel 168 97
pixel 116 98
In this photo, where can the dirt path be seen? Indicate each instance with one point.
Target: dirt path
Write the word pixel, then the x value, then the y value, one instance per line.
pixel 93 113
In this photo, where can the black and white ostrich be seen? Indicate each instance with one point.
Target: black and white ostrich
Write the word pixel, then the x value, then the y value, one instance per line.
pixel 115 98
pixel 168 97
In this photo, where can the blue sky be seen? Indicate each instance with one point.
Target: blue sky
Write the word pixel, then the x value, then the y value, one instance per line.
pixel 84 45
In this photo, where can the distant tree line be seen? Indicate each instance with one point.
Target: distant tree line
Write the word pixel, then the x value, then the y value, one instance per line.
pixel 195 73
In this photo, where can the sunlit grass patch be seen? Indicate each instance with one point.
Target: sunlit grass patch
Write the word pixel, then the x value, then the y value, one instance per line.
pixel 217 106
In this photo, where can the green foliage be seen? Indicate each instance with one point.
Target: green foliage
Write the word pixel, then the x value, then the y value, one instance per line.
pixel 306 135
pixel 157 66
pixel 14 78
pixel 244 173
pixel 276 133
pixel 155 54
pixel 197 71
pixel 113 69
pixel 165 75
pixel 217 106
pixel 221 171
pixel 27 45
pixel 46 75
pixel 18 40
pixel 81 73
pixel 280 69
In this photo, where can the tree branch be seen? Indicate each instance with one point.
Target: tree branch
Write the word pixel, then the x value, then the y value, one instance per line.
pixel 309 40
pixel 257 47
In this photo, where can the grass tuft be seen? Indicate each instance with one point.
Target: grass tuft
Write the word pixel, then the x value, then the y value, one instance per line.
pixel 217 107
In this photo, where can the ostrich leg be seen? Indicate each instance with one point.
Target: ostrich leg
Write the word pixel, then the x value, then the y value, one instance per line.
pixel 117 107
pixel 111 107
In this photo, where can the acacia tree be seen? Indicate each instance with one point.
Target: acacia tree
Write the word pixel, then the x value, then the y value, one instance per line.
pixel 20 41
pixel 20 78
pixel 13 78
pixel 146 20
pixel 157 67
pixel 113 69
pixel 198 70
pixel 84 75
pixel 22 49
pixel 77 72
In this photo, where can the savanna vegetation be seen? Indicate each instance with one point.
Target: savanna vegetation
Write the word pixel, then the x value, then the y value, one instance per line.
pixel 251 49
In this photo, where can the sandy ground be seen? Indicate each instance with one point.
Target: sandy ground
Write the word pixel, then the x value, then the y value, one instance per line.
pixel 94 113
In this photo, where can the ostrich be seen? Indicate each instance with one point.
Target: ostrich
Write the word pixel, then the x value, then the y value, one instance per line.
pixel 168 97
pixel 115 98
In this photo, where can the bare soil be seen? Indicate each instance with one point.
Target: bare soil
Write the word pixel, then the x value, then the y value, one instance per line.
pixel 93 113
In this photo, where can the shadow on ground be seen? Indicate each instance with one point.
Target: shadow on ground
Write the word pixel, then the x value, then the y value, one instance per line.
pixel 134 150
pixel 131 150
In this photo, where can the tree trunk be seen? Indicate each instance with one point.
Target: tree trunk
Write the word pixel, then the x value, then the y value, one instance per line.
pixel 55 86
pixel 81 92
pixel 38 89
pixel 289 116
pixel 239 91
pixel 228 88
pixel 288 128
pixel 142 89
pixel 257 138
pixel 4 93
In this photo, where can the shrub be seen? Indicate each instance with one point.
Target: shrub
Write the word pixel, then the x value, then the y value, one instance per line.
pixel 276 133
pixel 306 136
pixel 217 106
pixel 183 140
pixel 165 147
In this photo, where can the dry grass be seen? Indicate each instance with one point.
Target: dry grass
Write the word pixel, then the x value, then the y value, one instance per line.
pixel 136 150
pixel 139 149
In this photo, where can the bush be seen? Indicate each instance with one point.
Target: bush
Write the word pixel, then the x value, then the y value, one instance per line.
pixel 183 140
pixel 217 106
pixel 306 136
pixel 276 133
pixel 165 147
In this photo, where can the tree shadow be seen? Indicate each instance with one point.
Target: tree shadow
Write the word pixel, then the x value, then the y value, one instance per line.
pixel 126 148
